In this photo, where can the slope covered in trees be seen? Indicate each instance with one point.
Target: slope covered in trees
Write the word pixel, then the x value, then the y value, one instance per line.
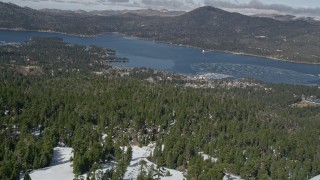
pixel 205 27
pixel 251 131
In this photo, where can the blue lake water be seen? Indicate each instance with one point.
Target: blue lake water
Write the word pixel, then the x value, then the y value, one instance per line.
pixel 173 58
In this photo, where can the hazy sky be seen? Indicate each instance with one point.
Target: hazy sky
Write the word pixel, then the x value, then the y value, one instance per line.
pixel 308 7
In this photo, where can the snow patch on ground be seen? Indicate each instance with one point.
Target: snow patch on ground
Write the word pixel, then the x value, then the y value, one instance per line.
pixel 231 177
pixel 60 167
pixel 206 157
pixel 150 148
pixel 102 170
pixel 104 136
pixel 316 178
pixel 142 153
pixel 133 169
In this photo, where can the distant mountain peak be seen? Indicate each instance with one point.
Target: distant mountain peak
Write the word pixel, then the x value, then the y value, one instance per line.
pixel 208 9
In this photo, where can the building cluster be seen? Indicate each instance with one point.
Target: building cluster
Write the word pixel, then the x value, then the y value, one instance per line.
pixel 311 99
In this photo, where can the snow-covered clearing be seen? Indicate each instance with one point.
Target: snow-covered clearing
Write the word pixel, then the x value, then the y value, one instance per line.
pixel 142 153
pixel 60 168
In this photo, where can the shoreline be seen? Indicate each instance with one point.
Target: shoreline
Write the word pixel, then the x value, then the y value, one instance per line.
pixel 48 31
pixel 158 41
pixel 207 50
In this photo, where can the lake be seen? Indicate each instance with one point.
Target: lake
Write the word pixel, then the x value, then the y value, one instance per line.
pixel 186 60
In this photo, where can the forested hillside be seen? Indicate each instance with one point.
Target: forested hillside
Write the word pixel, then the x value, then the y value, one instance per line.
pixel 251 131
pixel 206 27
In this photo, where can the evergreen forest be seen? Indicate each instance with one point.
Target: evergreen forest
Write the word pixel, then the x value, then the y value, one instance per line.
pixel 55 93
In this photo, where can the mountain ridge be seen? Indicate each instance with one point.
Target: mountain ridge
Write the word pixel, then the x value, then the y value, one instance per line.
pixel 142 12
